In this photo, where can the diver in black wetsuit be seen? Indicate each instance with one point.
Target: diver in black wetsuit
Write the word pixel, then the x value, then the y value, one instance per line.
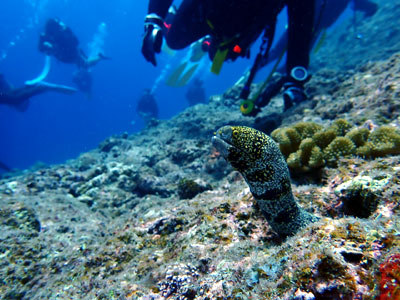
pixel 233 26
pixel 59 41
pixel 326 14
pixel 19 97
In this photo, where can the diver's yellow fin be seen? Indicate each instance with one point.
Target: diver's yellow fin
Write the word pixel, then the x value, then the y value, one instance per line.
pixel 320 42
pixel 218 61
pixel 168 50
pixel 186 77
pixel 174 78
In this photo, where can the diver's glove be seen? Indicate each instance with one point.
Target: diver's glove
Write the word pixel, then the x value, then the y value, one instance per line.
pixel 152 38
pixel 293 88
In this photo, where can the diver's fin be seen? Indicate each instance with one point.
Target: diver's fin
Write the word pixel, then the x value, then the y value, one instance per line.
pixel 58 87
pixel 43 74
pixel 168 50
pixel 187 76
pixel 174 78
pixel 218 61
pixel 321 41
pixel 196 51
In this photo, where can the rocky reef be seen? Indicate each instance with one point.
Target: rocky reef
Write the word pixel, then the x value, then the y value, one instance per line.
pixel 161 215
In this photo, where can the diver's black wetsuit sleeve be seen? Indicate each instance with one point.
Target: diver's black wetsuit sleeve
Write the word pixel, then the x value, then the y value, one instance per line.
pixel 300 32
pixel 159 7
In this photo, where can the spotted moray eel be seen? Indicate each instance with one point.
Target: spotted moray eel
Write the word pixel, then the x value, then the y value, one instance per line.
pixel 258 158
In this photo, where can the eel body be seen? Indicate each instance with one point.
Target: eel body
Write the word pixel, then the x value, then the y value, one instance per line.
pixel 258 158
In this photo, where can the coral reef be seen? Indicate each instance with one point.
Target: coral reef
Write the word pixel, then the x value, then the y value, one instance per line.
pixel 308 146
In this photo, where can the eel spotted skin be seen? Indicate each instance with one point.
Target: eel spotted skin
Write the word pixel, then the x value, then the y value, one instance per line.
pixel 258 158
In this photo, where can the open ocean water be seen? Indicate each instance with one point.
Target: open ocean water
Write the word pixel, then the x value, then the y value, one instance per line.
pixel 56 127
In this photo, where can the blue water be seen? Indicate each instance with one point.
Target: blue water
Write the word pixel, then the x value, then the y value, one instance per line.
pixel 58 127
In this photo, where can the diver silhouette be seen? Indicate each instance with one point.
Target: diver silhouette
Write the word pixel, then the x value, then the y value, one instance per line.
pixel 195 93
pixel 18 98
pixel 59 41
pixel 147 106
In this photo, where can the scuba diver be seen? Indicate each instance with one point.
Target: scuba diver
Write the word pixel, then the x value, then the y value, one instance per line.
pixel 232 27
pixel 147 106
pixel 327 13
pixel 59 41
pixel 19 97
pixel 195 93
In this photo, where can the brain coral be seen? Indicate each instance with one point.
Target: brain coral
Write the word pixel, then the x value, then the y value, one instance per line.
pixel 308 145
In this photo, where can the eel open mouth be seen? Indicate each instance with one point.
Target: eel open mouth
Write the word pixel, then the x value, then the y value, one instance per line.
pixel 222 140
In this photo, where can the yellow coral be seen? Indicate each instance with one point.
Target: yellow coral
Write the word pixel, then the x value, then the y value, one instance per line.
pixel 383 141
pixel 316 158
pixel 309 156
pixel 359 136
pixel 307 129
pixel 324 137
pixel 294 161
pixel 307 146
pixel 341 127
pixel 287 138
pixel 339 147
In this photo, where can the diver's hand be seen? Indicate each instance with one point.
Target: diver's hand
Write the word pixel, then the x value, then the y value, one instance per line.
pixel 152 39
